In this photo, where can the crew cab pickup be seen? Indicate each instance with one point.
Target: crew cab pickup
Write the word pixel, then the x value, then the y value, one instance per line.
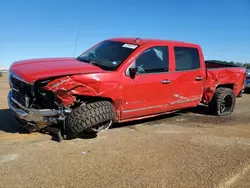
pixel 119 80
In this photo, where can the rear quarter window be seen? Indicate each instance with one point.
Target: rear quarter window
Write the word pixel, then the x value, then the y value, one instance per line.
pixel 186 58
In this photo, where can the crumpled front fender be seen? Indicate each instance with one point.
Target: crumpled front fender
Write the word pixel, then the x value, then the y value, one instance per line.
pixel 66 88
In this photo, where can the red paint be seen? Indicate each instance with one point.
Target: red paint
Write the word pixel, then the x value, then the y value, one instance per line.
pixel 133 98
pixel 66 88
pixel 36 69
pixel 216 77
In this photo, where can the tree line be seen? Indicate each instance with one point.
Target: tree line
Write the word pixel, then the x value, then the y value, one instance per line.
pixel 247 65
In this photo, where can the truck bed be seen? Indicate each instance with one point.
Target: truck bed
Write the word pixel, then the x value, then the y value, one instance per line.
pixel 219 74
pixel 215 64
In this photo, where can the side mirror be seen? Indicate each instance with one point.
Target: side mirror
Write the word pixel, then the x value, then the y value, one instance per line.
pixel 133 71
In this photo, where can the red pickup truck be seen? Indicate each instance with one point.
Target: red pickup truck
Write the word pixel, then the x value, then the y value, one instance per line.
pixel 119 80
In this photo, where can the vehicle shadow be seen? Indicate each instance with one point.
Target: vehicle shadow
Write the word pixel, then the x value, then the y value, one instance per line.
pixel 203 110
pixel 149 121
pixel 8 124
pixel 247 91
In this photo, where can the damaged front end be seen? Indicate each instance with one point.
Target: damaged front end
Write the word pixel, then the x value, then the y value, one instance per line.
pixel 35 119
pixel 35 106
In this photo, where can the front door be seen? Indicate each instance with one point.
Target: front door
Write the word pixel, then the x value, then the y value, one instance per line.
pixel 148 90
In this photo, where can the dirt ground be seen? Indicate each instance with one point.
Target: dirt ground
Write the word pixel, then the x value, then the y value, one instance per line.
pixel 185 149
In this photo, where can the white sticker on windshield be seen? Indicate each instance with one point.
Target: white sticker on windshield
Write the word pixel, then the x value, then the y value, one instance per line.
pixel 132 46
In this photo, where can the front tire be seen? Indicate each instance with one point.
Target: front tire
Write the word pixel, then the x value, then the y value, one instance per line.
pixel 91 117
pixel 223 102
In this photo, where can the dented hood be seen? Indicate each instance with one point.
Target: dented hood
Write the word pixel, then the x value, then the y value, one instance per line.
pixel 36 69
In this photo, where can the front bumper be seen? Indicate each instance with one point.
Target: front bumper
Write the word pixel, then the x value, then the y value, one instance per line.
pixel 35 119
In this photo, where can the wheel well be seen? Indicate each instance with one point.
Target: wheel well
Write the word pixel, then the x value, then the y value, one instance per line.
pixel 230 86
pixel 93 99
pixel 82 99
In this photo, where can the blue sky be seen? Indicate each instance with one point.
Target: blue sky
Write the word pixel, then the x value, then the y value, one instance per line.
pixel 48 28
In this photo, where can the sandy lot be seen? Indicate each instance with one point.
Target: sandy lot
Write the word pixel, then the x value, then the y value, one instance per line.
pixel 185 149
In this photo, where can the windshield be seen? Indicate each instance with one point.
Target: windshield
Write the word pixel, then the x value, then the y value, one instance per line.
pixel 108 54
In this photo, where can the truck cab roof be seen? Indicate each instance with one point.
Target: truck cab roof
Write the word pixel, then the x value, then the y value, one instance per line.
pixel 141 41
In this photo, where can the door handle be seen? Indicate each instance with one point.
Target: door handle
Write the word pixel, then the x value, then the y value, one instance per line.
pixel 165 81
pixel 198 78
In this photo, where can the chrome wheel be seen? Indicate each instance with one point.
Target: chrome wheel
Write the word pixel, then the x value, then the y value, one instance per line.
pixel 100 127
pixel 226 104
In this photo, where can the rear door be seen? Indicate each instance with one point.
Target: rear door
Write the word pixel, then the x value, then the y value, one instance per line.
pixel 147 91
pixel 187 79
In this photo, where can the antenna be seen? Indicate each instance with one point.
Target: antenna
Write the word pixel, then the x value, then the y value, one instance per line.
pixel 77 36
pixel 137 39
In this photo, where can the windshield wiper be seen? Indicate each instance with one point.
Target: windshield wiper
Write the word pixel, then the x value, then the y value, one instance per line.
pixel 91 61
pixel 82 59
pixel 95 63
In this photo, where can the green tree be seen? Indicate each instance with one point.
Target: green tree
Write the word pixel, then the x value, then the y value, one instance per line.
pixel 230 63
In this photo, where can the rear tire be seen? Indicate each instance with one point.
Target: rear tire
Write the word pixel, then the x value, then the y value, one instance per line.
pixel 223 102
pixel 87 117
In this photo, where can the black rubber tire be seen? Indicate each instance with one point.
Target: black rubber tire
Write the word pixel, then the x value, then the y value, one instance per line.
pixel 217 100
pixel 88 115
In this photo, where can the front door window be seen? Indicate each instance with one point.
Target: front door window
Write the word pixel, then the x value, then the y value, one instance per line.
pixel 153 60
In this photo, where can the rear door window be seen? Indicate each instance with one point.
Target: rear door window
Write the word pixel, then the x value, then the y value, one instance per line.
pixel 186 58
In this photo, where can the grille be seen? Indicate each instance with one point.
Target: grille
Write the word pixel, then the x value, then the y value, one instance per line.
pixel 20 90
